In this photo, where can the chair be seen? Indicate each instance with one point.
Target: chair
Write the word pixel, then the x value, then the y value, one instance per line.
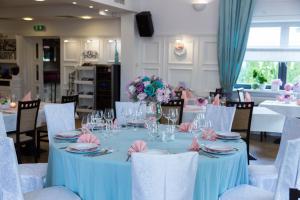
pixel 288 178
pixel 294 194
pixel 173 104
pixel 265 176
pixel 221 117
pixel 10 187
pixel 122 107
pixel 42 132
pixel 178 94
pixel 2 126
pixel 166 177
pixel 25 133
pixel 242 120
pixel 32 176
pixel 241 94
pixel 59 117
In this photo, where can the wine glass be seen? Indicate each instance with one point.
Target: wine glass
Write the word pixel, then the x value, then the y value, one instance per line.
pixel 109 116
pixel 173 117
pixel 98 116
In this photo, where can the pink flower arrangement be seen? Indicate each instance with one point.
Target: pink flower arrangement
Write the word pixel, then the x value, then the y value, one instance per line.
pixel 288 87
pixel 149 89
pixel 201 102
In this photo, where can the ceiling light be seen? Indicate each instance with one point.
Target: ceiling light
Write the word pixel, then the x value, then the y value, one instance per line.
pixel 39 0
pixel 66 41
pixel 27 18
pixel 110 41
pixel 85 17
pixel 101 12
pixel 91 6
pixel 74 2
pixel 106 10
pixel 199 5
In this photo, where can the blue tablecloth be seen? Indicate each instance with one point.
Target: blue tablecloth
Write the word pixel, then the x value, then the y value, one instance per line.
pixel 108 177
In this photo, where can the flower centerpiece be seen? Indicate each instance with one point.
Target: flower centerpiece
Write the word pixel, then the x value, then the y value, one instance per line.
pixel 150 89
pixel 276 85
pixel 288 87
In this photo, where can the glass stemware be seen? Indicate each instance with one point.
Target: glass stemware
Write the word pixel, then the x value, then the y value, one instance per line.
pixel 109 116
pixel 173 117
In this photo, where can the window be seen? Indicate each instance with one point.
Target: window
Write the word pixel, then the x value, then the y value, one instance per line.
pixel 274 50
pixel 264 37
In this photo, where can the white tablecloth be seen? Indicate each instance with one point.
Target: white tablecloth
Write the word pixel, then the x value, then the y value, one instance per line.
pixel 263 119
pixel 288 110
pixel 10 119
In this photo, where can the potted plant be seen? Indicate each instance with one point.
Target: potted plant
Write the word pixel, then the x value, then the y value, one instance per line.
pixel 260 79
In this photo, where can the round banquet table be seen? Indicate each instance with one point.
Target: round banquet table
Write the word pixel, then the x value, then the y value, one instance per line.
pixel 108 177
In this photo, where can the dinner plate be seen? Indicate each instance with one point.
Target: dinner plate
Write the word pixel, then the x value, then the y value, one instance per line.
pixel 82 148
pixel 228 135
pixel 68 134
pixel 218 149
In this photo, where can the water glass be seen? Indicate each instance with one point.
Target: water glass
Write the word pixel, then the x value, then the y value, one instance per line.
pixel 173 117
pixel 109 116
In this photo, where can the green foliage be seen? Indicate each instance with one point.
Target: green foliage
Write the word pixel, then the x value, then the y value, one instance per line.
pixel 293 72
pixel 268 70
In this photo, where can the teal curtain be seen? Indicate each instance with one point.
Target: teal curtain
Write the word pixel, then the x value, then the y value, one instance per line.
pixel 234 24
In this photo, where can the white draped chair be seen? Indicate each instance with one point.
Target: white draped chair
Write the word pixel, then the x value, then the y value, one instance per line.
pixel 265 176
pixel 221 117
pixel 59 117
pixel 32 176
pixel 164 177
pixel 288 178
pixel 10 186
pixel 121 108
pixel 2 126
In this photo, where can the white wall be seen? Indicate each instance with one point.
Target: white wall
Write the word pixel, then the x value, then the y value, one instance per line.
pixel 173 20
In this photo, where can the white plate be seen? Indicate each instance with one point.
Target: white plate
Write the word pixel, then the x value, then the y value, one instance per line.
pixel 219 148
pixel 83 146
pixel 68 134
pixel 82 152
pixel 218 153
pixel 156 151
pixel 228 135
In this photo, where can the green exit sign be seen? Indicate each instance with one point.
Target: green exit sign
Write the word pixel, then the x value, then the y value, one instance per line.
pixel 39 27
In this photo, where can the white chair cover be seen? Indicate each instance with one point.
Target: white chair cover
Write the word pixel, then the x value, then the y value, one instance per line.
pixel 59 117
pixel 10 187
pixel 122 106
pixel 288 178
pixel 265 176
pixel 162 177
pixel 220 116
pixel 33 176
pixel 2 126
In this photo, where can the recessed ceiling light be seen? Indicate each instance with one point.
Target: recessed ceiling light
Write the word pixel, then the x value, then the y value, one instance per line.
pixel 91 6
pixel 66 41
pixel 101 12
pixel 85 17
pixel 74 2
pixel 27 18
pixel 106 10
pixel 39 0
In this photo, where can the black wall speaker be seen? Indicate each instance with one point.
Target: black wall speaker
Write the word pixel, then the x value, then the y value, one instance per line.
pixel 144 24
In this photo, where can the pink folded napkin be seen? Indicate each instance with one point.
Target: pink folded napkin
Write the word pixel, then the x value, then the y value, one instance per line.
pixel 248 97
pixel 209 134
pixel 195 145
pixel 216 100
pixel 184 127
pixel 137 146
pixel 27 97
pixel 85 129
pixel 88 138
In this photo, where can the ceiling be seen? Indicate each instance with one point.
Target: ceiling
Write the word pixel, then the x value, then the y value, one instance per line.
pixel 54 9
